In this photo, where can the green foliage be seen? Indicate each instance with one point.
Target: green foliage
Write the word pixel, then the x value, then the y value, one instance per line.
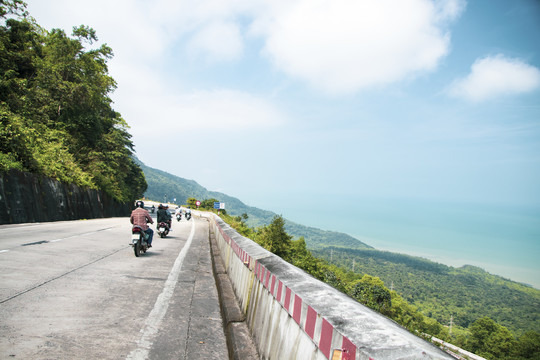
pixel 55 112
pixel 274 238
pixel 528 346
pixel 442 292
pixel 490 340
pixel 370 291
pixel 301 257
pixel 208 204
pixel 237 223
pixel 13 7
pixel 320 239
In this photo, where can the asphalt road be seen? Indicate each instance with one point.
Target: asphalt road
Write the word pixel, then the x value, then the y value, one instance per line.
pixel 75 290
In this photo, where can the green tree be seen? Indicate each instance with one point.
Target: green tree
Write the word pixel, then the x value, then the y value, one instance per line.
pixel 301 257
pixel 528 346
pixel 332 278
pixel 370 291
pixel 55 111
pixel 490 340
pixel 275 239
pixel 191 202
pixel 208 203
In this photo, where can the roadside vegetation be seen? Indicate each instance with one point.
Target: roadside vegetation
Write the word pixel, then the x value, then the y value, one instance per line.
pixel 483 336
pixel 55 111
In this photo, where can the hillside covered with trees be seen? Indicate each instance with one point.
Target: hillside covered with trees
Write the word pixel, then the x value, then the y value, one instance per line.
pixel 163 186
pixel 480 295
pixel 443 292
pixel 55 110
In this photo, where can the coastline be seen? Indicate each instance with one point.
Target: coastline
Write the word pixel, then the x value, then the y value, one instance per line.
pixel 504 240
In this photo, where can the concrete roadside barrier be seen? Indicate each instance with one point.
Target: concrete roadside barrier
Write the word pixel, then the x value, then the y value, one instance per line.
pixel 292 315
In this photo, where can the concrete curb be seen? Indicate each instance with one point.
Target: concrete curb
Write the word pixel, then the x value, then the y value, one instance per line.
pixel 239 340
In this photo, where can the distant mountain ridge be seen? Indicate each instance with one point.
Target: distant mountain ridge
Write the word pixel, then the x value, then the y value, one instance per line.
pixel 164 186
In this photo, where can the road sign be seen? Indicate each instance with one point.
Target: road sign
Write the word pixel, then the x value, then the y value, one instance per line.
pixel 219 205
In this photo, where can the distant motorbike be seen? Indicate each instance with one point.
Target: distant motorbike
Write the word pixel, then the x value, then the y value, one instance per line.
pixel 163 229
pixel 138 240
pixel 178 217
pixel 187 216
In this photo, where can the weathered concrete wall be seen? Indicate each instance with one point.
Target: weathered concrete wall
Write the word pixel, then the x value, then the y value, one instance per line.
pixel 26 197
pixel 294 316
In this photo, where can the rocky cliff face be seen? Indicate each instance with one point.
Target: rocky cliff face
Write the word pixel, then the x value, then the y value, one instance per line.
pixel 26 197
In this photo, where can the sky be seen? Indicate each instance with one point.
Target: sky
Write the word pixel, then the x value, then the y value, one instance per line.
pixel 299 105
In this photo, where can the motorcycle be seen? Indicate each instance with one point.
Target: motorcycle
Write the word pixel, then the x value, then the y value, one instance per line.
pixel 163 229
pixel 187 216
pixel 138 240
pixel 178 217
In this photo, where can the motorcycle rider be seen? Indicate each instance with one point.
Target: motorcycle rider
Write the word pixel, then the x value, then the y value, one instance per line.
pixel 169 215
pixel 140 217
pixel 178 211
pixel 163 215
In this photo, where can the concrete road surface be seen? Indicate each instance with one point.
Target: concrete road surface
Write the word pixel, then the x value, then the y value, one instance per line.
pixel 75 290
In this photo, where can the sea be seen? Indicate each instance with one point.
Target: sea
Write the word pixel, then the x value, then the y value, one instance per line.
pixel 501 239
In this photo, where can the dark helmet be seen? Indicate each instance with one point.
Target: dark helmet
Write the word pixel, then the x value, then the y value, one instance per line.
pixel 139 204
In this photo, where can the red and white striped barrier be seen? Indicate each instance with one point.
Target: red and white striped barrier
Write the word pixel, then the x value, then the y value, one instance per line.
pixel 313 322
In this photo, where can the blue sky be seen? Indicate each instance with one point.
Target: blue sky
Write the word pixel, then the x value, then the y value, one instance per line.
pixel 298 104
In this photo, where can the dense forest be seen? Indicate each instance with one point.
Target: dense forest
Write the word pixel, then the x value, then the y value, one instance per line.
pixel 55 110
pixel 443 292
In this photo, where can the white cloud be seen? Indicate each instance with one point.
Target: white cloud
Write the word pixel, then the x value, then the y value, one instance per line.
pixel 213 111
pixel 494 76
pixel 217 41
pixel 338 46
pixel 346 45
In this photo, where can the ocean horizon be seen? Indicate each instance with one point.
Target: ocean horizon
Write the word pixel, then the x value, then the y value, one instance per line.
pixel 503 240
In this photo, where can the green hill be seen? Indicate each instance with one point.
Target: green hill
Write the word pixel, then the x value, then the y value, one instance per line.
pixel 443 292
pixel 162 185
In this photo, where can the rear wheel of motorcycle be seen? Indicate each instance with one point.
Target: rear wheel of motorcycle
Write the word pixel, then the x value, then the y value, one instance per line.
pixel 137 248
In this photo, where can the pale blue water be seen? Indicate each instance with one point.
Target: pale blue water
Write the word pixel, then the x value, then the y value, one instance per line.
pixel 503 240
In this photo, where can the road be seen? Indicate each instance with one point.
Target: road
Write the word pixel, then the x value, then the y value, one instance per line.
pixel 75 290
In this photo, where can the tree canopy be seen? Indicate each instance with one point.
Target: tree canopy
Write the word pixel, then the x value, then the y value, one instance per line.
pixel 55 111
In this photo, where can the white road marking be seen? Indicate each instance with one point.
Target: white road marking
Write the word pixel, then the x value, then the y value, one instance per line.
pixel 2 251
pixel 83 234
pixel 151 327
